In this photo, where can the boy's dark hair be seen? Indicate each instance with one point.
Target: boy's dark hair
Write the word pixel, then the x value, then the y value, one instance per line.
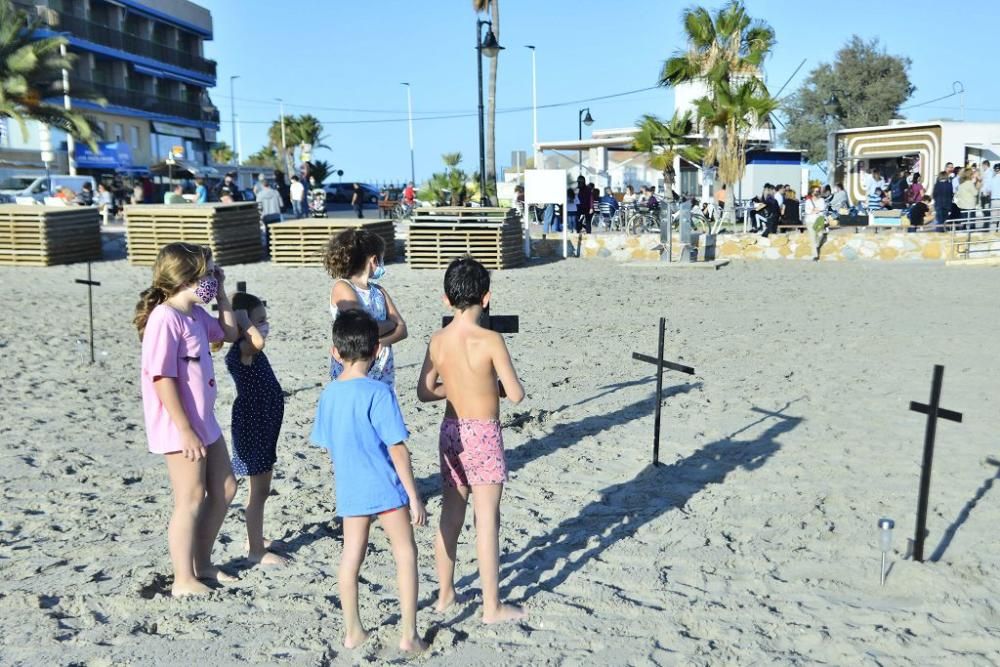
pixel 245 301
pixel 355 335
pixel 466 282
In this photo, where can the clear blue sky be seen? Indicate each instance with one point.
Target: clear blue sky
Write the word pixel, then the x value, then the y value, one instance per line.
pixel 323 56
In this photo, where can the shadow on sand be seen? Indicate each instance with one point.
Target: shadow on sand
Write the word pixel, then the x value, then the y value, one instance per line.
pixel 963 516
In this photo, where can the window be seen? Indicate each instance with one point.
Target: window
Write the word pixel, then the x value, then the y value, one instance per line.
pixel 133 136
pixel 103 127
pixel 119 132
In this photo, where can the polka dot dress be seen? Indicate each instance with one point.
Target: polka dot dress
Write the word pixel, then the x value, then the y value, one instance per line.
pixel 258 411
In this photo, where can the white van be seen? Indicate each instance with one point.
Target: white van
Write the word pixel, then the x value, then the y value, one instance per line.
pixel 38 188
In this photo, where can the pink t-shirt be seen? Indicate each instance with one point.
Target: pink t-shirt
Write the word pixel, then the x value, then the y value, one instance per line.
pixel 176 345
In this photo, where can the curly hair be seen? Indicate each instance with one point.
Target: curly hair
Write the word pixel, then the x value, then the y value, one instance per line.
pixel 177 265
pixel 348 251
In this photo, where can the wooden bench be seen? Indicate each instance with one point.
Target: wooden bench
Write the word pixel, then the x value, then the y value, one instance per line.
pixel 303 242
pixel 232 231
pixel 386 207
pixel 47 235
pixel 494 236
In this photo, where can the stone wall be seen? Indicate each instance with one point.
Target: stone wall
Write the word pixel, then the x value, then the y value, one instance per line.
pixel 622 247
pixel 884 246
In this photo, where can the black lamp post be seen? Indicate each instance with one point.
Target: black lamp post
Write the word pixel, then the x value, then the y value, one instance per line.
pixel 491 48
pixel 587 120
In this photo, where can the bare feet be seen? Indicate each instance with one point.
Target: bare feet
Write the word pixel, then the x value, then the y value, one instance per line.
pixel 268 559
pixel 355 638
pixel 445 600
pixel 212 573
pixel 505 613
pixel 192 587
pixel 412 645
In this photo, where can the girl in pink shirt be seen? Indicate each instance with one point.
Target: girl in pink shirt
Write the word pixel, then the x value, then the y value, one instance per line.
pixel 178 400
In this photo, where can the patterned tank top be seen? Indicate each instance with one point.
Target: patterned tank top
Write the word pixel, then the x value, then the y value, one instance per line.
pixel 372 300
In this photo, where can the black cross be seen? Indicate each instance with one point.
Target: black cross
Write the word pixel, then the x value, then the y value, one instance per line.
pixel 91 284
pixel 661 364
pixel 241 286
pixel 505 324
pixel 933 410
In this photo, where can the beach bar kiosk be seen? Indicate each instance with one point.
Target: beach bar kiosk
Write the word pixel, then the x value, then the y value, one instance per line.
pixel 923 147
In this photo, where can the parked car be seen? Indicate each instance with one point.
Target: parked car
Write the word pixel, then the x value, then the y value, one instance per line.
pixel 342 193
pixel 37 187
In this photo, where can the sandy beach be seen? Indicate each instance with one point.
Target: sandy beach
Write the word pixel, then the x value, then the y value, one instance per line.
pixel 754 543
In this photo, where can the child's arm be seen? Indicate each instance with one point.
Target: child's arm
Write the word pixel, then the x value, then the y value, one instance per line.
pixel 400 456
pixel 191 445
pixel 252 343
pixel 226 318
pixel 428 387
pixel 393 329
pixel 504 367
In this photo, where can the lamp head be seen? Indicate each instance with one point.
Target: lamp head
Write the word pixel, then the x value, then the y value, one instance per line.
pixel 490 46
pixel 588 119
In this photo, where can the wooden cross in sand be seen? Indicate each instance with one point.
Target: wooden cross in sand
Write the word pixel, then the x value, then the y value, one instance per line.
pixel 933 410
pixel 505 324
pixel 91 284
pixel 661 364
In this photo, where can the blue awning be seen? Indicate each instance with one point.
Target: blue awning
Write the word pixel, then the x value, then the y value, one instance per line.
pixel 109 155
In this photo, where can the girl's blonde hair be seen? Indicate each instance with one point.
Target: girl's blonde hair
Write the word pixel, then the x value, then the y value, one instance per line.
pixel 177 265
pixel 348 251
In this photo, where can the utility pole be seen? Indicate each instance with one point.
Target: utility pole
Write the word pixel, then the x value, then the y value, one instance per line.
pixel 534 110
pixel 284 147
pixel 70 141
pixel 232 117
pixel 409 108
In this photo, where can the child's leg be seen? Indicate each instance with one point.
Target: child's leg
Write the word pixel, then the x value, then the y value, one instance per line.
pixel 351 558
pixel 220 487
pixel 187 479
pixel 453 504
pixel 260 487
pixel 486 506
pixel 397 526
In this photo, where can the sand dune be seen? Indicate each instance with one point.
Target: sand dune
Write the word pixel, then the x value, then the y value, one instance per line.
pixel 754 543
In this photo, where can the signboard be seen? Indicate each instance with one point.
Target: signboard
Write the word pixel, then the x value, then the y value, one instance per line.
pixel 177 152
pixel 545 186
pixel 109 155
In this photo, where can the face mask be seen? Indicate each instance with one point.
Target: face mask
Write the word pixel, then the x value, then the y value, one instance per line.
pixel 379 272
pixel 207 288
pixel 264 329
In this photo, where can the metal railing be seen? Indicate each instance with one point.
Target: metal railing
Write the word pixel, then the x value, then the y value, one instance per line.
pixel 131 43
pixel 146 101
pixel 966 246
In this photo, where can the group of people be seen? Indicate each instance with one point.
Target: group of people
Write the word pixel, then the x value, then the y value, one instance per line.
pixel 358 419
pixel 585 206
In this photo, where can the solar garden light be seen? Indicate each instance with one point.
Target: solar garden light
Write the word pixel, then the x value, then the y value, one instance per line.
pixel 885 527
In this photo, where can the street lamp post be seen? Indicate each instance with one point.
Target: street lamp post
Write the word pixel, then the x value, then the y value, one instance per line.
pixel 587 120
pixel 409 111
pixel 70 141
pixel 284 147
pixel 491 48
pixel 232 118
pixel 534 109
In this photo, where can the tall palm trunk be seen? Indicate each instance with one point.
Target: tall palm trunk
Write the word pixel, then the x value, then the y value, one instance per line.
pixel 491 119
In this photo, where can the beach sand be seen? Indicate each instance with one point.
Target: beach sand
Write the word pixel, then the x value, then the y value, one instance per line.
pixel 754 543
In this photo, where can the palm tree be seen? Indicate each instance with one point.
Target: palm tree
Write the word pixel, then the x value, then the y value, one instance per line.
pixel 321 169
pixel 299 131
pixel 265 157
pixel 664 142
pixel 491 107
pixel 31 71
pixel 221 153
pixel 725 52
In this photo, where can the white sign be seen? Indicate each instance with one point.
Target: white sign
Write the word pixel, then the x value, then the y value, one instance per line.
pixel 545 186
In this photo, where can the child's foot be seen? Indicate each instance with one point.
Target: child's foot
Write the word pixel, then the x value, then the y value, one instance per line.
pixel 412 645
pixel 355 638
pixel 445 600
pixel 268 559
pixel 212 573
pixel 269 545
pixel 505 613
pixel 192 587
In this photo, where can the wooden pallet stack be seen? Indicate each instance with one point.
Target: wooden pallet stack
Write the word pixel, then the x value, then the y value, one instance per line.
pixel 491 235
pixel 303 242
pixel 232 231
pixel 47 235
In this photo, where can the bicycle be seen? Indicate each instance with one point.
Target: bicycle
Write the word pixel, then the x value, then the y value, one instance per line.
pixel 642 220
pixel 402 210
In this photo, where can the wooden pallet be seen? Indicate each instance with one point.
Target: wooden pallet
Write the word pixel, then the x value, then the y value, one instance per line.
pixel 48 235
pixel 304 242
pixel 232 231
pixel 492 236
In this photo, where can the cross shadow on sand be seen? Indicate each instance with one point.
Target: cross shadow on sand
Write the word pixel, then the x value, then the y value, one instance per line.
pixel 549 559
pixel 963 516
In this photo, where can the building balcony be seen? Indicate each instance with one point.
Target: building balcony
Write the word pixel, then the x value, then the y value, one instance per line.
pixel 152 103
pixel 124 41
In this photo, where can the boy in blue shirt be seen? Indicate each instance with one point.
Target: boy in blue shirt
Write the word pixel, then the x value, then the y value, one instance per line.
pixel 359 421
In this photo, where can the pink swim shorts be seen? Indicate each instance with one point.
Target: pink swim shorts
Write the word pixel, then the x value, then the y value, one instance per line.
pixel 471 452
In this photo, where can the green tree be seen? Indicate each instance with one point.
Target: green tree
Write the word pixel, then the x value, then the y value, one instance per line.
pixel 299 131
pixel 31 71
pixel 221 153
pixel 665 141
pixel 265 157
pixel 452 187
pixel 321 169
pixel 725 52
pixel 863 87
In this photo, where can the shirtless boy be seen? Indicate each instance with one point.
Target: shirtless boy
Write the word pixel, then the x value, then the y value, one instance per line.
pixel 469 367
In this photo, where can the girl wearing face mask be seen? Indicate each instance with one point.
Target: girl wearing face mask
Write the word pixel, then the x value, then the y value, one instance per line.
pixel 257 415
pixel 178 398
pixel 354 259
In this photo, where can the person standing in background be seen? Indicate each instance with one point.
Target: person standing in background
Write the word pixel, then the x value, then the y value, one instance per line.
pixel 297 193
pixel 357 200
pixel 943 195
pixel 200 192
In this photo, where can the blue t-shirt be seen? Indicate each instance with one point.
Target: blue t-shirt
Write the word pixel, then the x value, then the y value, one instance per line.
pixel 358 420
